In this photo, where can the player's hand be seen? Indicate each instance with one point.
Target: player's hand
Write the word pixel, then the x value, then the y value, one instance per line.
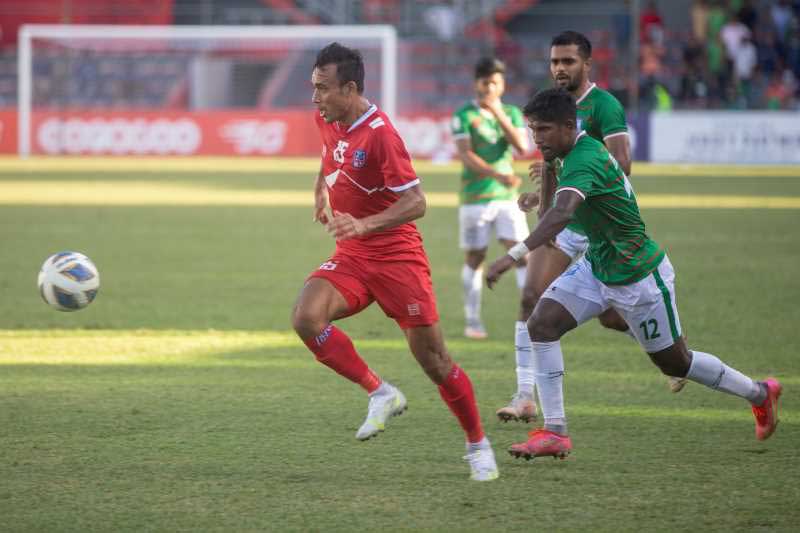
pixel 345 226
pixel 320 207
pixel 527 201
pixel 536 170
pixel 491 102
pixel 497 268
pixel 509 180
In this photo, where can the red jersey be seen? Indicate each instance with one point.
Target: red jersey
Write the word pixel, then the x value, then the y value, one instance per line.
pixel 365 166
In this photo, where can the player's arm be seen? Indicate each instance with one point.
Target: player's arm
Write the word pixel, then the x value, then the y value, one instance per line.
pixel 515 135
pixel 410 206
pixel 550 225
pixel 547 189
pixel 475 163
pixel 320 199
pixel 544 179
pixel 619 144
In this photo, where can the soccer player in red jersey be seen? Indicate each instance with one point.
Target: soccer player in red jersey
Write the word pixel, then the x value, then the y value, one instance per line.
pixel 367 178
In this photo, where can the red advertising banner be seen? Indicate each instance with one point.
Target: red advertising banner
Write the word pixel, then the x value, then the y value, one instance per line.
pixel 185 133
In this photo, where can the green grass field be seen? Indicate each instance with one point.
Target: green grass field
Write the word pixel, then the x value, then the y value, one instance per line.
pixel 180 400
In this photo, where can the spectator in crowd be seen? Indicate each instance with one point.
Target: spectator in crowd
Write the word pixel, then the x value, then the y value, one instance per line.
pixel 733 34
pixel 699 15
pixel 744 66
pixel 651 26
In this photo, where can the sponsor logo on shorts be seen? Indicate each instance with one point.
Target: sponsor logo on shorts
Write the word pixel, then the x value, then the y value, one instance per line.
pixel 328 265
pixel 413 309
pixel 359 158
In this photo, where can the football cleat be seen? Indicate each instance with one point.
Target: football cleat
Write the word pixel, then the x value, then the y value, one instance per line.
pixel 677 384
pixel 521 407
pixel 475 330
pixel 482 464
pixel 767 413
pixel 381 408
pixel 542 443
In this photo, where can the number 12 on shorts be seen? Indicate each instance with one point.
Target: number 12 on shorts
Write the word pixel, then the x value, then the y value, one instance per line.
pixel 650 329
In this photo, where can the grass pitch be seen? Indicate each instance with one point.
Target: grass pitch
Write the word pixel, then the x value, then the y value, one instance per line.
pixel 181 401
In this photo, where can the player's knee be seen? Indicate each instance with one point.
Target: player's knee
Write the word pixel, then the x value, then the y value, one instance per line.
pixel 672 361
pixel 307 323
pixel 542 329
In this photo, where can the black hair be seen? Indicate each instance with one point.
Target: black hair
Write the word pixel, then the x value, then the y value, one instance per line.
pixel 552 105
pixel 487 66
pixel 566 38
pixel 348 61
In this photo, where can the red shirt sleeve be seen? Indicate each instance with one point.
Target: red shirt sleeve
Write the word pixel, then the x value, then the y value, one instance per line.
pixel 396 168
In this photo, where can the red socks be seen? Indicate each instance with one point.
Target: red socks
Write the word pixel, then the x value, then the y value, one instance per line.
pixel 457 393
pixel 335 350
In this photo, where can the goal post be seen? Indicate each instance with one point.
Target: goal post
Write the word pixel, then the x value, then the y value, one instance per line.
pixel 221 67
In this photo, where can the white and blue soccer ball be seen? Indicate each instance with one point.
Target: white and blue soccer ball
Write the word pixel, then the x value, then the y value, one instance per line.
pixel 68 281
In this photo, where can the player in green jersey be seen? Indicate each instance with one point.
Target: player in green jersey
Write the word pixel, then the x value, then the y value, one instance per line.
pixel 486 131
pixel 623 269
pixel 602 117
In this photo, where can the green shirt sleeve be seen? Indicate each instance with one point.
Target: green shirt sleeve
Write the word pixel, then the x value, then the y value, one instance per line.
pixel 459 125
pixel 515 115
pixel 611 117
pixel 580 181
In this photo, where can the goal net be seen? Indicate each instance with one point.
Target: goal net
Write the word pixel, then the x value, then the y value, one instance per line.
pixel 183 90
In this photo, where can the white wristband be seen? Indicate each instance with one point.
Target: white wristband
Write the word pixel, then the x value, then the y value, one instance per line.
pixel 518 251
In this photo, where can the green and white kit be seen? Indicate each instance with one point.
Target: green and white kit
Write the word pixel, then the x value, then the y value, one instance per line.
pixel 485 202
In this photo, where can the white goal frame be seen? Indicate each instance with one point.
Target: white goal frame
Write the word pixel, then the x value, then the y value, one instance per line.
pixel 384 33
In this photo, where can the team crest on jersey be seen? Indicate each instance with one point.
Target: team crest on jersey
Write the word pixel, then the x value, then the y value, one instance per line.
pixel 359 158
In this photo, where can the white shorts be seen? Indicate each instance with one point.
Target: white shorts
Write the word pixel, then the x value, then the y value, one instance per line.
pixel 572 243
pixel 477 220
pixel 648 306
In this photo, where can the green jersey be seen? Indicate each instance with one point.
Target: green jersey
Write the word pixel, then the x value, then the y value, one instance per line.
pixel 620 251
pixel 600 115
pixel 490 144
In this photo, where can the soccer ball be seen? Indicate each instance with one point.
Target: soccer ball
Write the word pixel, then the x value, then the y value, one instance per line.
pixel 68 281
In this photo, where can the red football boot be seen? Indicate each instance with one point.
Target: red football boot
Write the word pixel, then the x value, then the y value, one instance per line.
pixel 542 443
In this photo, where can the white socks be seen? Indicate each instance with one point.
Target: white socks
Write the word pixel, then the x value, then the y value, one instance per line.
pixel 480 445
pixel 526 378
pixel 549 364
pixel 708 370
pixel 472 284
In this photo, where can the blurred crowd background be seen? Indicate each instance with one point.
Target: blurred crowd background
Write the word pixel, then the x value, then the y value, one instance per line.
pixel 653 55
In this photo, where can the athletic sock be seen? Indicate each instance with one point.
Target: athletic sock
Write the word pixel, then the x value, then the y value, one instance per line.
pixel 472 284
pixel 482 444
pixel 522 275
pixel 526 379
pixel 708 370
pixel 457 393
pixel 549 364
pixel 335 350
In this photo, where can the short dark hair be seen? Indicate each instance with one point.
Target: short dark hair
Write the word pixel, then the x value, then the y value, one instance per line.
pixel 552 105
pixel 486 66
pixel 348 61
pixel 566 38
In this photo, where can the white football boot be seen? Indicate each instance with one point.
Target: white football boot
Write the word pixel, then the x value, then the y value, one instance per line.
pixel 481 462
pixel 387 401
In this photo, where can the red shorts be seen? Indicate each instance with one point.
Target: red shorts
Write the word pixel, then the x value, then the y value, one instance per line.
pixel 402 287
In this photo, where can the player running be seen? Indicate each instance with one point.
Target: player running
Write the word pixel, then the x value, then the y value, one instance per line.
pixel 485 131
pixel 602 117
pixel 367 178
pixel 623 269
